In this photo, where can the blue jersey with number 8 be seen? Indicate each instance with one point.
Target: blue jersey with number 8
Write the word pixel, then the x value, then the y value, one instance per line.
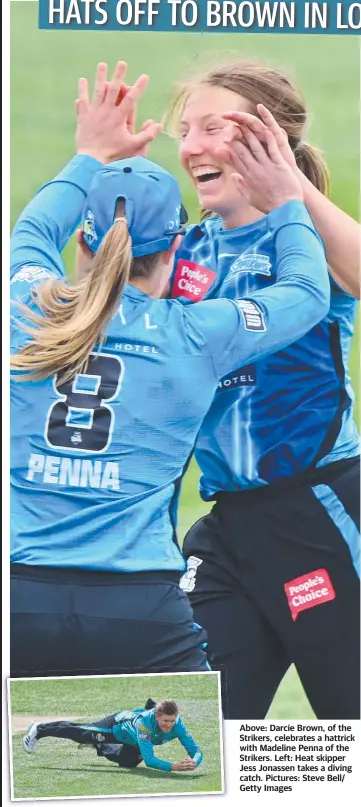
pixel 96 461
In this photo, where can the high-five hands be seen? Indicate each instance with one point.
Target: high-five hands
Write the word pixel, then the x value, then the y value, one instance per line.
pixel 106 124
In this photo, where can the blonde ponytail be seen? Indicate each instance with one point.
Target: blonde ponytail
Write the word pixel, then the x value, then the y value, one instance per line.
pixel 74 317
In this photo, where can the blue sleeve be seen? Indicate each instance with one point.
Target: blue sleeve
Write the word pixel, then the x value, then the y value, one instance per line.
pixel 48 221
pixel 241 331
pixel 190 745
pixel 147 750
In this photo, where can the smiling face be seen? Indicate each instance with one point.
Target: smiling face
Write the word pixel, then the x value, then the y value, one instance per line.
pixel 202 130
pixel 165 722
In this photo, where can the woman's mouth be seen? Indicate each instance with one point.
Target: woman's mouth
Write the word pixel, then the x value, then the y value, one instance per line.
pixel 206 177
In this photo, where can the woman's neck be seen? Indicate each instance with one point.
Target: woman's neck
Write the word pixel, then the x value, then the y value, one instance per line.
pixel 153 286
pixel 241 217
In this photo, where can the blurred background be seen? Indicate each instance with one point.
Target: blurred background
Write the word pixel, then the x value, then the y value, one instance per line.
pixel 45 67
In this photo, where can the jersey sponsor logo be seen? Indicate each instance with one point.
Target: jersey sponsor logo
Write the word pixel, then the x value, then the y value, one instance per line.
pixel 253 318
pixel 253 264
pixel 143 735
pixel 29 274
pixel 143 732
pixel 188 580
pixel 244 377
pixel 89 226
pixel 309 590
pixel 191 280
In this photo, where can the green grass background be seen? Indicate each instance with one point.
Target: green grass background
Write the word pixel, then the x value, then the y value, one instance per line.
pixel 59 768
pixel 45 66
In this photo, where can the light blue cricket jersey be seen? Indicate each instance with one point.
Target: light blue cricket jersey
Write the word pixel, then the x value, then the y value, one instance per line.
pixel 288 412
pixel 140 727
pixel 96 462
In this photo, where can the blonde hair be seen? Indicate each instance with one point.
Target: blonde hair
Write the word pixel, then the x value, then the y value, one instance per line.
pixel 74 317
pixel 260 83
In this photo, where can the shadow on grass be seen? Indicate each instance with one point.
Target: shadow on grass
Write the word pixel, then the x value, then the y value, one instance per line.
pixel 144 772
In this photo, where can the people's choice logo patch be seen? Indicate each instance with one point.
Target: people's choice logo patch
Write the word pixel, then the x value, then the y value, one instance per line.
pixel 309 590
pixel 191 280
pixel 253 318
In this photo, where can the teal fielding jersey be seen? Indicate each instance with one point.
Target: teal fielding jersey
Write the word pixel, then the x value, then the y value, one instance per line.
pixel 289 412
pixel 96 462
pixel 139 727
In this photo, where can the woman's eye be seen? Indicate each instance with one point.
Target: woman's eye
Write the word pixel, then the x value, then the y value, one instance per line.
pixel 213 129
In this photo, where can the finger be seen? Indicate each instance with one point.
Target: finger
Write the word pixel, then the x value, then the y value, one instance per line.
pixel 144 137
pixel 238 156
pixel 232 132
pixel 147 124
pixel 273 149
pixel 245 118
pixel 83 91
pixel 116 83
pixel 272 124
pixel 134 94
pixel 241 186
pixel 78 110
pixel 254 145
pixel 100 84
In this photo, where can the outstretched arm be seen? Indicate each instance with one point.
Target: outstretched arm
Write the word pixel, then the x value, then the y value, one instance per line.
pixel 102 135
pixel 190 745
pixel 340 233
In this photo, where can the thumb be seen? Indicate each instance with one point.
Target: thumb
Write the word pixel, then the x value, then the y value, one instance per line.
pixel 147 134
pixel 241 186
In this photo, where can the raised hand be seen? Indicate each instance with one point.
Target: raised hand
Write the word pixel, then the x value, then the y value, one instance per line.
pixel 262 175
pixel 259 128
pixel 105 125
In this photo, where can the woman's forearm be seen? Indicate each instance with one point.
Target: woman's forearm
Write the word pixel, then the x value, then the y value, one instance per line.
pixel 340 234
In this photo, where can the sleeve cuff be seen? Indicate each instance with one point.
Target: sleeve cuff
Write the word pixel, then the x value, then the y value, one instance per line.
pixel 79 171
pixel 293 212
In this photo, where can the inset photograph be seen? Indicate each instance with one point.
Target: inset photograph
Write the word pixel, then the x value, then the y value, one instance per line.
pixel 115 736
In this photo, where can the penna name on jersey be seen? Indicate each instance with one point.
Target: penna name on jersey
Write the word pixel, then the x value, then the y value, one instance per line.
pixel 79 473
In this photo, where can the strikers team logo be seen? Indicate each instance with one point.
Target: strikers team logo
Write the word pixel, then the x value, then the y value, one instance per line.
pixel 309 590
pixel 89 227
pixel 29 274
pixel 254 263
pixel 188 580
pixel 191 280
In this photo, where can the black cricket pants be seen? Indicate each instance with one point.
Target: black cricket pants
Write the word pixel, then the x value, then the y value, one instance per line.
pixel 74 622
pixel 272 575
pixel 106 745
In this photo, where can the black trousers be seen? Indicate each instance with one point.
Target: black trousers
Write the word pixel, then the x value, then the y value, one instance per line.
pixel 71 622
pixel 106 745
pixel 272 576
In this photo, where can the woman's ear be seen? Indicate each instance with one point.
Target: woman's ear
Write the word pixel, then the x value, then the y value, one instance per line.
pixel 173 248
pixel 81 243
